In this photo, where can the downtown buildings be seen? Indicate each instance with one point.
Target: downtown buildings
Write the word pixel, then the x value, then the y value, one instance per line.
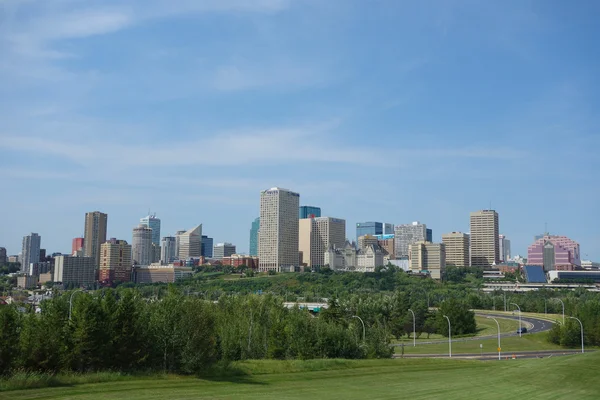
pixel 94 235
pixel 153 223
pixel 189 243
pixel 278 238
pixel 428 258
pixel 555 253
pixel 254 236
pixel 457 249
pixel 222 250
pixel 485 239
pixel 115 261
pixel 30 252
pixel 142 246
pixel 315 235
pixel 407 234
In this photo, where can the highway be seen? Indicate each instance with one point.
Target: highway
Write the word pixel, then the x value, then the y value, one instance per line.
pixel 494 356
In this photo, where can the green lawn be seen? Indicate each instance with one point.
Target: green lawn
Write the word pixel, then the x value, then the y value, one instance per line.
pixel 536 341
pixel 568 377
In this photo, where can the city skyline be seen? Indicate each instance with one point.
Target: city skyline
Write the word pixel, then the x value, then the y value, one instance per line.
pixel 263 101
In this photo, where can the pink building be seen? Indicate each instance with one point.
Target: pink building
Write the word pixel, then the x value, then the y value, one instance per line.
pixel 554 253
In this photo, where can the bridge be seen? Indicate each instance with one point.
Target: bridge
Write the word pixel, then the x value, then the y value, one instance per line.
pixel 312 307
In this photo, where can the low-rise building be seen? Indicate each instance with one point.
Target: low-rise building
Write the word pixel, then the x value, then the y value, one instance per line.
pixel 222 250
pixel 239 260
pixel 350 258
pixel 79 271
pixel 27 281
pixel 155 273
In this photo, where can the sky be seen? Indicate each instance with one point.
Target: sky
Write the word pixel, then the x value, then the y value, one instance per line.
pixel 391 111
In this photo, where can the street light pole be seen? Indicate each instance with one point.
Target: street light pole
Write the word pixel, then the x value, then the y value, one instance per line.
pixel 363 325
pixel 520 329
pixel 581 325
pixel 414 328
pixel 499 348
pixel 449 337
pixel 71 301
pixel 563 310
pixel 504 293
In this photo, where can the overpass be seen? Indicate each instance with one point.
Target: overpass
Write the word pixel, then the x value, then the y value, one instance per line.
pixel 313 307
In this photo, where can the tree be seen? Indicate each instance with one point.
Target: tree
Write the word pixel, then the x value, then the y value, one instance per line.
pixel 461 318
pixel 9 338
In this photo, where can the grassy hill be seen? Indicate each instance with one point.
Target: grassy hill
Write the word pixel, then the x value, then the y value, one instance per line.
pixel 569 377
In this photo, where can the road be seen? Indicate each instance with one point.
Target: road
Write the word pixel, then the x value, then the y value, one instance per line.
pixel 533 325
pixel 494 356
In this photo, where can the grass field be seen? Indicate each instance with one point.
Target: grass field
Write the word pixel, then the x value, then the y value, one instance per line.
pixel 569 377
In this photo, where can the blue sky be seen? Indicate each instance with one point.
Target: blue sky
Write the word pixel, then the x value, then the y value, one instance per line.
pixel 374 110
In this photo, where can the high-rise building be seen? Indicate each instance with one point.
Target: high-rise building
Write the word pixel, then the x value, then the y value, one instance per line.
pixel 457 249
pixel 77 271
pixel 485 243
pixel 427 257
pixel 207 247
pixel 369 228
pixel 316 235
pixel 278 238
pixel 3 258
pixel 31 251
pixel 555 253
pixel 366 241
pixel 309 212
pixel 504 246
pixel 190 243
pixel 167 252
pixel 94 235
pixel 141 245
pixel 223 250
pixel 407 234
pixel 115 261
pixel 77 245
pixel 153 223
pixel 429 235
pixel 178 241
pixel 254 236
pixel 388 229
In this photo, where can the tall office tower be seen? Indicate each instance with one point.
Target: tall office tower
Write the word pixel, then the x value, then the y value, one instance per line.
pixel 429 258
pixel 155 253
pixel 555 253
pixel 457 249
pixel 207 247
pixel 141 245
pixel 223 250
pixel 42 254
pixel 31 251
pixel 485 243
pixel 366 241
pixel 507 253
pixel 78 271
pixel 190 243
pixel 115 261
pixel 94 235
pixel 278 238
pixel 388 229
pixel 407 234
pixel 167 252
pixel 153 223
pixel 178 241
pixel 309 212
pixel 254 236
pixel 77 245
pixel 3 258
pixel 429 235
pixel 316 235
pixel 368 228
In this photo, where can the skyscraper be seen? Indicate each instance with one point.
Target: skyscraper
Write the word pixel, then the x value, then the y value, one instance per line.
pixel 254 236
pixel 207 247
pixel 223 250
pixel 368 228
pixel 141 245
pixel 167 251
pixel 485 242
pixel 178 241
pixel 190 243
pixel 457 249
pixel 94 235
pixel 315 235
pixel 153 223
pixel 504 246
pixel 115 261
pixel 31 251
pixel 429 235
pixel 78 271
pixel 3 258
pixel 407 234
pixel 278 238
pixel 77 245
pixel 388 229
pixel 427 257
pixel 309 212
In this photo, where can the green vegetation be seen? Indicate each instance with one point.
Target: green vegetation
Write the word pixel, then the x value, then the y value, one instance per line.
pixel 366 379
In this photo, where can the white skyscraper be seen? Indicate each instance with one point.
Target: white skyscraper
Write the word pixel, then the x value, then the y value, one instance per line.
pixel 485 239
pixel 278 238
pixel 168 251
pixel 153 223
pixel 190 243
pixel 31 251
pixel 407 234
pixel 141 245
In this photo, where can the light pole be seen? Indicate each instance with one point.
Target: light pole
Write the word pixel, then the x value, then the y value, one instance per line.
pixel 363 324
pixel 581 325
pixel 563 310
pixel 499 348
pixel 71 301
pixel 414 328
pixel 449 337
pixel 520 329
pixel 504 293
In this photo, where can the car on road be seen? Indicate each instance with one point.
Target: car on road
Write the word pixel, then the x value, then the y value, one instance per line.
pixel 522 330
